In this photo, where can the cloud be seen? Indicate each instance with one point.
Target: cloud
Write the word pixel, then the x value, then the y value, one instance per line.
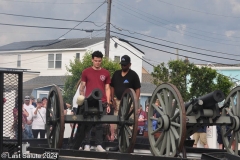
pixel 235 6
pixel 181 28
pixel 146 32
pixel 229 33
pixel 138 1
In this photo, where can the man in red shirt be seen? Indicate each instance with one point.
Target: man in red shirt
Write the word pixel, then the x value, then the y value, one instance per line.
pixel 92 78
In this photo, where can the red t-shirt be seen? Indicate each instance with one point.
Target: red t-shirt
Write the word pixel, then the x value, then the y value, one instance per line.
pixel 96 79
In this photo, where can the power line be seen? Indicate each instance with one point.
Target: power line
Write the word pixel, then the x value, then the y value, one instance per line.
pixel 208 13
pixel 133 53
pixel 34 2
pixel 162 51
pixel 142 11
pixel 29 26
pixel 82 20
pixel 175 47
pixel 189 35
pixel 134 32
pixel 172 53
pixel 57 19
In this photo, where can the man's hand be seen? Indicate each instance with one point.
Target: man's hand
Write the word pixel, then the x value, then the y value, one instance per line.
pixel 108 108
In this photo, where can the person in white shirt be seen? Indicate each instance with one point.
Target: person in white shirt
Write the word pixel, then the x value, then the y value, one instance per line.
pixel 29 108
pixel 39 118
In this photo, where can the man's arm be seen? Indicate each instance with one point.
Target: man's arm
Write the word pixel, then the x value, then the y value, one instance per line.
pixel 82 87
pixel 137 93
pixel 112 93
pixel 108 92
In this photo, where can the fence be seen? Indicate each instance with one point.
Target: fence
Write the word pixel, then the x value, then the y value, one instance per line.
pixel 10 112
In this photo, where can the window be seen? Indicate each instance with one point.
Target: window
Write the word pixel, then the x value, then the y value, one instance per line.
pixel 78 56
pixel 117 58
pixel 19 61
pixel 54 60
pixel 58 62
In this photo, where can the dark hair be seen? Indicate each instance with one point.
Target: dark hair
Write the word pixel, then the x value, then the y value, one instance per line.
pixel 97 54
pixel 44 98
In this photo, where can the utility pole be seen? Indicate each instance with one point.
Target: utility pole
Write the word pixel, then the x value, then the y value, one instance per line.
pixel 177 55
pixel 107 37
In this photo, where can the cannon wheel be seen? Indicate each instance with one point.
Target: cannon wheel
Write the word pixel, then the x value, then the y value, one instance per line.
pixel 233 110
pixel 127 131
pixel 171 124
pixel 55 118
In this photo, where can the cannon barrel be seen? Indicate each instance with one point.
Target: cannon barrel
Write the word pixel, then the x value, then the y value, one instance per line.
pixel 96 94
pixel 207 100
pixel 212 98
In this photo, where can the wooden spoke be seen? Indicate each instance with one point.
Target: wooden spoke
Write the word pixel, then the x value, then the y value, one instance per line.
pixel 168 144
pixel 175 124
pixel 238 103
pixel 157 109
pixel 172 132
pixel 162 103
pixel 173 109
pixel 173 143
pixel 167 106
pixel 232 105
pixel 170 108
pixel 155 131
pixel 175 116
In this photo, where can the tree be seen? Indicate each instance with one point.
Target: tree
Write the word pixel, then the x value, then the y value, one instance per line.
pixel 75 71
pixel 192 81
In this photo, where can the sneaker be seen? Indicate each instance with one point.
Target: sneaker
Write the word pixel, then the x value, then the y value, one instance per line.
pixel 86 148
pixel 100 149
pixel 80 148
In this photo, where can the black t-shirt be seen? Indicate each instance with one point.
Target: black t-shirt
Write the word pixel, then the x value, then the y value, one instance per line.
pixel 120 83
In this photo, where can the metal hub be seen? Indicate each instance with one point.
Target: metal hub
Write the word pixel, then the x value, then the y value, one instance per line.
pixel 164 122
pixel 236 123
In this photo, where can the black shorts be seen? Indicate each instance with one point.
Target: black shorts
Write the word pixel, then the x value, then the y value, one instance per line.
pixel 219 139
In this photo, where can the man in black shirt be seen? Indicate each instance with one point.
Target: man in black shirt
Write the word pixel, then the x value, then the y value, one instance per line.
pixel 121 80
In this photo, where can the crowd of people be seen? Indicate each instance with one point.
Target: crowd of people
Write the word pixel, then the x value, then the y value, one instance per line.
pixel 33 118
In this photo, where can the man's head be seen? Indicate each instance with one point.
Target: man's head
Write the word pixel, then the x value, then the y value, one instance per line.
pixel 39 101
pixel 146 109
pixel 44 100
pixel 139 109
pixel 125 63
pixel 32 98
pixel 97 59
pixel 27 100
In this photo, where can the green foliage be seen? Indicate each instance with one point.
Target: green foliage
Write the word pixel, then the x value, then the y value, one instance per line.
pixel 75 71
pixel 192 81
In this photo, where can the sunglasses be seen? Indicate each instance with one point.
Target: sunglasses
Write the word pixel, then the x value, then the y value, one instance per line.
pixel 124 65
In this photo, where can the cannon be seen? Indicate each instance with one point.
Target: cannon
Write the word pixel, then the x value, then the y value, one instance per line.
pixel 179 120
pixel 91 112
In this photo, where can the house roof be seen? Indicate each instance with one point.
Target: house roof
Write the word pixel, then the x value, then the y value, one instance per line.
pixel 52 44
pixel 147 78
pixel 42 81
pixel 147 88
pixel 219 65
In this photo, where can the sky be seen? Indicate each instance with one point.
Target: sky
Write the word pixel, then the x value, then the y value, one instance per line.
pixel 208 32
